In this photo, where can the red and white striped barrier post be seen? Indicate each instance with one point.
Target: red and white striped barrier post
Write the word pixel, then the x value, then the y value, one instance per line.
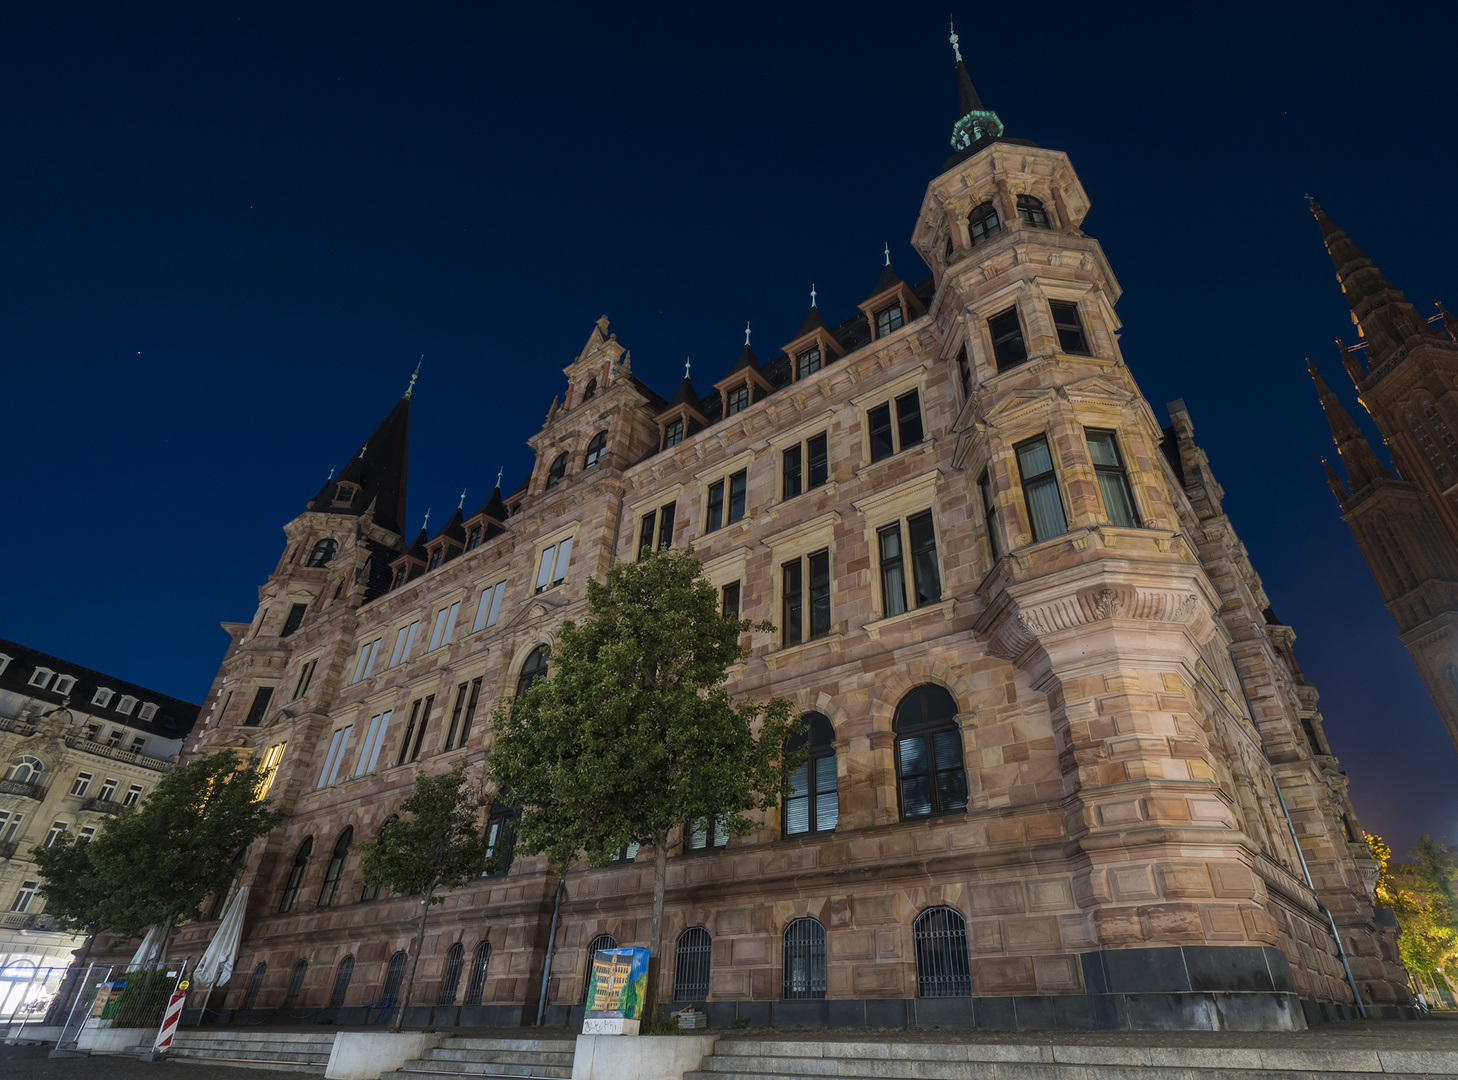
pixel 171 1017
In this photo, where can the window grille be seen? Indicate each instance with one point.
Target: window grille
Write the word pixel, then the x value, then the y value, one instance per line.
pixel 929 763
pixel 296 983
pixel 479 963
pixel 691 965
pixel 943 967
pixel 341 982
pixel 393 974
pixel 602 941
pixel 804 960
pixel 336 867
pixel 455 961
pixel 254 985
pixel 296 875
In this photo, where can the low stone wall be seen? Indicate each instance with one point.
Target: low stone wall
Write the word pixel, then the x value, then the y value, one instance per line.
pixel 637 1057
pixel 367 1055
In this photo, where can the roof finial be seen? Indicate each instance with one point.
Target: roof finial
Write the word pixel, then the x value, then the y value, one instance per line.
pixel 498 477
pixel 425 525
pixel 1311 203
pixel 363 448
pixel 414 375
pixel 812 294
pixel 462 504
pixel 331 474
pixel 686 360
pixel 956 50
pixel 746 333
pixel 888 253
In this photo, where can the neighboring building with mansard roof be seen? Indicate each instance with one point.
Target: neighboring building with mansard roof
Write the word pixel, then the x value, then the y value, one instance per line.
pixel 75 745
pixel 1064 768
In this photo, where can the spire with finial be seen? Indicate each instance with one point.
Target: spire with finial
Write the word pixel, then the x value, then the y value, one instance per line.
pixel 414 375
pixel 1357 454
pixel 462 504
pixel 499 471
pixel 1352 364
pixel 686 360
pixel 331 474
pixel 888 253
pixel 375 473
pixel 812 294
pixel 974 122
pixel 425 525
pixel 746 333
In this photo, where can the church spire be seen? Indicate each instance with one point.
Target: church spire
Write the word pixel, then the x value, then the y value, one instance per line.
pixel 374 475
pixel 974 120
pixel 1357 454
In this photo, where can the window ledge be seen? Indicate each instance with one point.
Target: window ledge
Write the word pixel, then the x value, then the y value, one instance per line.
pixel 774 510
pixel 926 446
pixel 734 528
pixel 779 657
pixel 944 607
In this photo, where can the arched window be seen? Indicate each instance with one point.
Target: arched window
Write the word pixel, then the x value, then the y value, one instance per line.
pixel 1031 210
pixel 589 389
pixel 323 551
pixel 943 966
pixel 342 975
pixel 811 801
pixel 804 960
pixel 254 985
pixel 595 450
pixel 296 983
pixel 691 965
pixel 394 973
pixel 557 471
pixel 372 892
pixel 602 941
pixel 479 962
pixel 296 875
pixel 535 668
pixel 26 770
pixel 330 891
pixel 983 223
pixel 929 765
pixel 455 960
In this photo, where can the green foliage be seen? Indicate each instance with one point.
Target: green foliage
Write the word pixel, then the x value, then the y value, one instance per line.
pixel 440 846
pixel 1421 892
pixel 157 862
pixel 633 733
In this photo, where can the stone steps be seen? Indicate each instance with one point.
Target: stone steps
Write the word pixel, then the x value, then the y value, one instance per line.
pixel 288 1051
pixel 543 1059
pixel 735 1059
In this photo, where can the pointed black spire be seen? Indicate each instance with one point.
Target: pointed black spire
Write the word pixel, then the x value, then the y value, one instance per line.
pixel 967 99
pixel 974 120
pixel 1357 454
pixel 685 395
pixel 745 359
pixel 493 507
pixel 375 473
pixel 454 528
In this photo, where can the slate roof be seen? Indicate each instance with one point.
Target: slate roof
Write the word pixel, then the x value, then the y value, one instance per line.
pixel 379 468
pixel 174 718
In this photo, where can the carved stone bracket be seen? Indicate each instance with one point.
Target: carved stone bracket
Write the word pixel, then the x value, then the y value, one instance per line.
pixel 1011 628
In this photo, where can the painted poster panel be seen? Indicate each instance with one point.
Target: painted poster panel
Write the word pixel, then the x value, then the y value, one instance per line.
pixel 615 993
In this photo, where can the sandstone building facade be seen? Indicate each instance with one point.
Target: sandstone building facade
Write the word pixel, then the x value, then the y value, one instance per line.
pixel 1405 520
pixel 76 746
pixel 1064 767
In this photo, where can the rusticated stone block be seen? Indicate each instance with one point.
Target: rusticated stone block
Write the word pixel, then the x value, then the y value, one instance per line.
pixel 1057 974
pixel 996 898
pixel 1180 881
pixel 1004 975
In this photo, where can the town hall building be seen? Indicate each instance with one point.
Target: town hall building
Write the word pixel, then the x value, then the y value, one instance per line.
pixel 1064 769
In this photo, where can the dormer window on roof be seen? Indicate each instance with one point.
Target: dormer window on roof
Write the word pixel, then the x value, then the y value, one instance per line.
pixel 557 471
pixel 889 319
pixel 1031 210
pixel 983 223
pixel 473 540
pixel 673 434
pixel 63 684
pixel 41 677
pixel 436 557
pixel 736 400
pixel 344 493
pixel 102 697
pixel 126 705
pixel 323 552
pixel 808 362
pixel 402 574
pixel 148 711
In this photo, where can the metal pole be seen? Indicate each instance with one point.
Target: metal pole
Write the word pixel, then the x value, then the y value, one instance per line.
pixel 551 941
pixel 85 979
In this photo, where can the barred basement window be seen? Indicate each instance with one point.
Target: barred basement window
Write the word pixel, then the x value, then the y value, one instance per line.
pixel 1112 477
pixel 479 963
pixel 330 890
pixel 1030 209
pixel 296 983
pixel 1040 490
pixel 393 975
pixel 602 941
pixel 254 985
pixel 983 223
pixel 451 982
pixel 342 975
pixel 296 875
pixel 804 960
pixel 812 803
pixel 943 968
pixel 691 965
pixel 929 761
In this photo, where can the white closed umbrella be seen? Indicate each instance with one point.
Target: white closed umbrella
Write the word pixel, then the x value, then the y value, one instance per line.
pixel 150 949
pixel 216 965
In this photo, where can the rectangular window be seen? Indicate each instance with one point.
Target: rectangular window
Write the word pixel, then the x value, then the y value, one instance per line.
pixel 93 730
pixel 138 745
pixel 133 795
pixel 790 465
pixel 738 487
pixel 102 697
pixel 261 697
pixel 489 606
pixel 925 574
pixel 25 896
pixel 1071 338
pixel 704 833
pixel 811 802
pixel 964 372
pixel 882 443
pixel 404 641
pixel 445 626
pixel 57 828
pixel 81 785
pixel 1040 490
pixel 415 730
pixel 10 825
pixel 807 363
pixel 731 601
pixel 989 515
pixel 87 832
pixel 645 534
pixel 306 675
pixel 1113 479
pixel 887 320
pixel 1007 339
pixel 467 695
pixel 908 420
pixel 108 790
pixel 800 624
pixel 714 513
pixel 296 616
pixel 893 570
pixel 804 466
pixel 369 752
pixel 270 768
pixel 738 400
pixel 887 439
pixel 552 570
pixel 115 738
pixel 673 434
pixel 366 660
pixel 817 460
pixel 126 705
pixel 665 527
pixel 337 746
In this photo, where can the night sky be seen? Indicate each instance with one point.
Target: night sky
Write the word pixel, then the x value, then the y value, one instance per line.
pixel 229 231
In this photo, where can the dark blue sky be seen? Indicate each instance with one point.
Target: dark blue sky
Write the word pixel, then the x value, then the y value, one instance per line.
pixel 229 230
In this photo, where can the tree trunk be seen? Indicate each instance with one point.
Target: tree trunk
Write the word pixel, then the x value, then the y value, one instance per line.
pixel 655 943
pixel 414 959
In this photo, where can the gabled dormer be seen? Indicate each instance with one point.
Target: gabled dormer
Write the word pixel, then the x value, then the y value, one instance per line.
pixel 681 418
pixel 891 304
pixel 744 384
pixel 812 347
pixel 596 367
pixel 446 544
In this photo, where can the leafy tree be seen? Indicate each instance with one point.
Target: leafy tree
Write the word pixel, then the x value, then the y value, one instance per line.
pixel 1421 892
pixel 633 734
pixel 1382 894
pixel 439 847
pixel 157 862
